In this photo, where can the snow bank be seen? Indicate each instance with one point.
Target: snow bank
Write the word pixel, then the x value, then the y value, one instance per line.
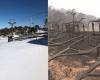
pixel 1 38
pixel 20 60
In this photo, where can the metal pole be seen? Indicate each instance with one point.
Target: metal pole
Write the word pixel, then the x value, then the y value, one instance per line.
pixel 12 22
pixel 73 14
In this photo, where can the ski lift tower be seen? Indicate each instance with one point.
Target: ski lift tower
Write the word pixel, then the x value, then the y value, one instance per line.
pixel 12 22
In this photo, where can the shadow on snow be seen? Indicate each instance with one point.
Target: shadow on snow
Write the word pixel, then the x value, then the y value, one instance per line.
pixel 41 41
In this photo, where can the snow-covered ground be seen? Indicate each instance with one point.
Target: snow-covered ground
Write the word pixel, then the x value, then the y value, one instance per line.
pixel 22 60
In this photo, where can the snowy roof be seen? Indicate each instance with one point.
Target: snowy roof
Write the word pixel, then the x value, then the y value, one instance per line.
pixel 41 31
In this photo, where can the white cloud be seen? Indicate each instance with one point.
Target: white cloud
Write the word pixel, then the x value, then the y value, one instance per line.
pixel 90 7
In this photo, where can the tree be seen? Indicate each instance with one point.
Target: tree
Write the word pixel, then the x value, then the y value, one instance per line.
pixel 36 27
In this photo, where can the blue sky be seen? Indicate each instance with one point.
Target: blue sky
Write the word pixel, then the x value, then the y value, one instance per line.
pixel 23 11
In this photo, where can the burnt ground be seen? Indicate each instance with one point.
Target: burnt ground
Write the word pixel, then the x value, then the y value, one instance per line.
pixel 69 67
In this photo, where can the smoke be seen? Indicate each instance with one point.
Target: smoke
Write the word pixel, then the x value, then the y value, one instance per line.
pixel 64 16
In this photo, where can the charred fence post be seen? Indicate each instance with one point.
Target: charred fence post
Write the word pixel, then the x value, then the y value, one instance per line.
pixel 92 26
pixel 50 77
pixel 66 27
pixel 78 28
pixel 83 28
pixel 99 27
pixel 98 51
